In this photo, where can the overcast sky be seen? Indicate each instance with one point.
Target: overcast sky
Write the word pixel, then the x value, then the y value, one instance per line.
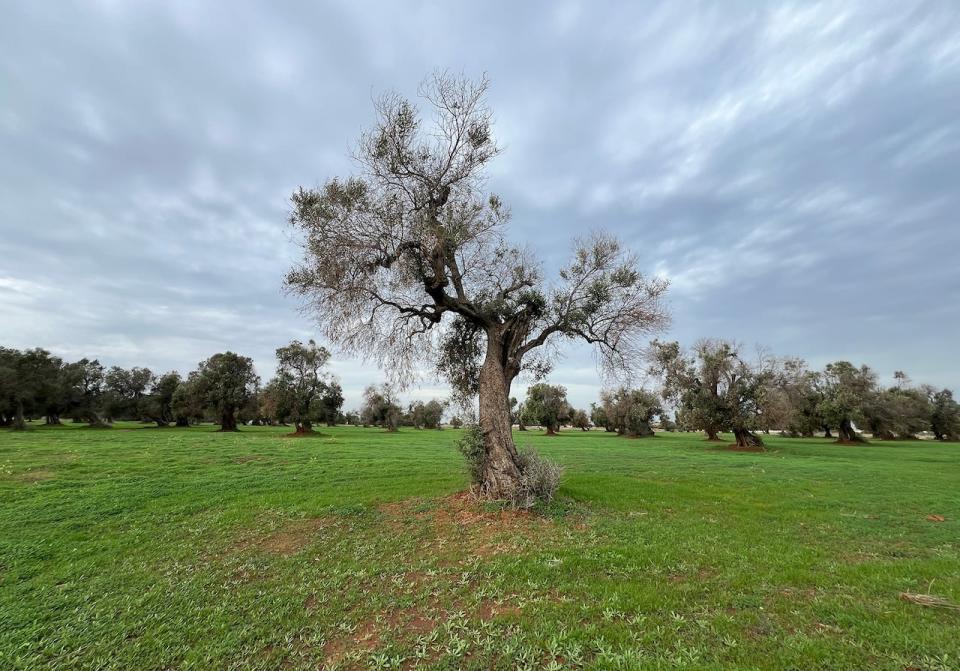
pixel 794 169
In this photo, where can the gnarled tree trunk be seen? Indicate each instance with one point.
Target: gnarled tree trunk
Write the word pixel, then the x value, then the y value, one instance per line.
pixel 228 420
pixel 846 434
pixel 19 423
pixel 501 470
pixel 304 426
pixel 712 433
pixel 746 438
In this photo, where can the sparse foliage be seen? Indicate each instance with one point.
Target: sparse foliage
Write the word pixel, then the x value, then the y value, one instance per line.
pixel 407 262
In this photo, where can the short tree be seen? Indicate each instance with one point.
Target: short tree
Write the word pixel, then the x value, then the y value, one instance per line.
pixel 224 383
pixel 407 262
pixel 580 420
pixel 427 415
pixel 300 373
pixel 598 416
pixel 125 391
pixel 944 414
pixel 86 377
pixel 328 406
pixel 158 405
pixel 547 406
pixel 630 411
pixel 715 387
pixel 847 390
pixel 26 378
pixel 380 407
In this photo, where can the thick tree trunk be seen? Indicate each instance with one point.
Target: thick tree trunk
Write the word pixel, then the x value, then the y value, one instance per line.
pixel 95 421
pixel 183 421
pixel 304 426
pixel 501 470
pixel 19 423
pixel 826 432
pixel 746 438
pixel 712 434
pixel 550 430
pixel 52 420
pixel 228 421
pixel 846 434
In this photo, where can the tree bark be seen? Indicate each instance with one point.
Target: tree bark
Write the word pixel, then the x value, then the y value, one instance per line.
pixel 746 438
pixel 19 423
pixel 826 432
pixel 846 434
pixel 228 421
pixel 501 470
pixel 712 434
pixel 550 430
pixel 304 426
pixel 52 420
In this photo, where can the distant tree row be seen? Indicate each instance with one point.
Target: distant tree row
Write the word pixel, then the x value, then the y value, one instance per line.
pixel 224 388
pixel 714 388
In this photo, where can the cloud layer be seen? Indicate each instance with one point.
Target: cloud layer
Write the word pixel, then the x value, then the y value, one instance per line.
pixel 792 168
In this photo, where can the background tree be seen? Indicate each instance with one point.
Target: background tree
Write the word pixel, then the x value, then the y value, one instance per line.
pixel 427 415
pixel 580 420
pixel 715 387
pixel 26 379
pixel 792 399
pixel 124 392
pixel 547 405
pixel 630 411
pixel 300 373
pixel 846 391
pixel 158 404
pixel 275 402
pixel 516 414
pixel 380 407
pixel 456 422
pixel 329 404
pixel 691 384
pixel 944 414
pixel 87 377
pixel 407 262
pixel 224 383
pixel 598 415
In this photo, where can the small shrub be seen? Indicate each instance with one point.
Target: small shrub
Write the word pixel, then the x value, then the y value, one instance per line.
pixel 540 478
pixel 471 447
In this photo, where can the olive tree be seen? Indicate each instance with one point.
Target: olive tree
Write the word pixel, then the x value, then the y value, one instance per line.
pixel 547 405
pixel 847 390
pixel 629 412
pixel 225 383
pixel 300 374
pixel 944 414
pixel 715 387
pixel 380 407
pixel 407 262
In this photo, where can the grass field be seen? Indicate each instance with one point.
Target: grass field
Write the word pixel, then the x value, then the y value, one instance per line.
pixel 140 548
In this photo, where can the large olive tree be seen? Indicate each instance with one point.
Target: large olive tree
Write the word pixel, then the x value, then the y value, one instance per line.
pixel 407 262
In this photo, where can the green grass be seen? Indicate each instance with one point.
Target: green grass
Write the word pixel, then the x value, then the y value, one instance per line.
pixel 139 548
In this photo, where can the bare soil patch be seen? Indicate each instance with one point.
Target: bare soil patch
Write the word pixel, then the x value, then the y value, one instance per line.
pixel 290 539
pixel 462 524
pixel 37 475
